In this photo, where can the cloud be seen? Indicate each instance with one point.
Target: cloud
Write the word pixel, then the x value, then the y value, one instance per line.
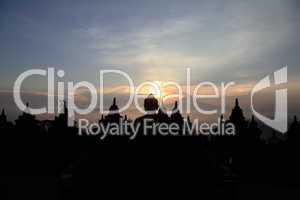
pixel 239 37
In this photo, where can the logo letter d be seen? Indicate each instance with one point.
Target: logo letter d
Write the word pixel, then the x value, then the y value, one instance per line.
pixel 279 122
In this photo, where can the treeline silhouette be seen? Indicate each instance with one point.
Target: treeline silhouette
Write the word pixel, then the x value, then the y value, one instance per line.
pixel 50 147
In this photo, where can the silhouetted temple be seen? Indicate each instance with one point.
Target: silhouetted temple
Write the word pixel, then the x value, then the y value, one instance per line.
pixel 237 118
pixel 3 118
pixel 162 116
pixel 155 113
pixel 150 104
pixel 253 130
pixel 176 116
pixel 294 128
pixel 62 118
pixel 26 119
pixel 113 116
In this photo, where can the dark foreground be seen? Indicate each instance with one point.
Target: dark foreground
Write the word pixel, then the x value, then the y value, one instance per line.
pixel 147 167
pixel 48 160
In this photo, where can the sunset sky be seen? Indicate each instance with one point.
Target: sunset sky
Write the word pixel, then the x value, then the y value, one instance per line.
pixel 240 41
